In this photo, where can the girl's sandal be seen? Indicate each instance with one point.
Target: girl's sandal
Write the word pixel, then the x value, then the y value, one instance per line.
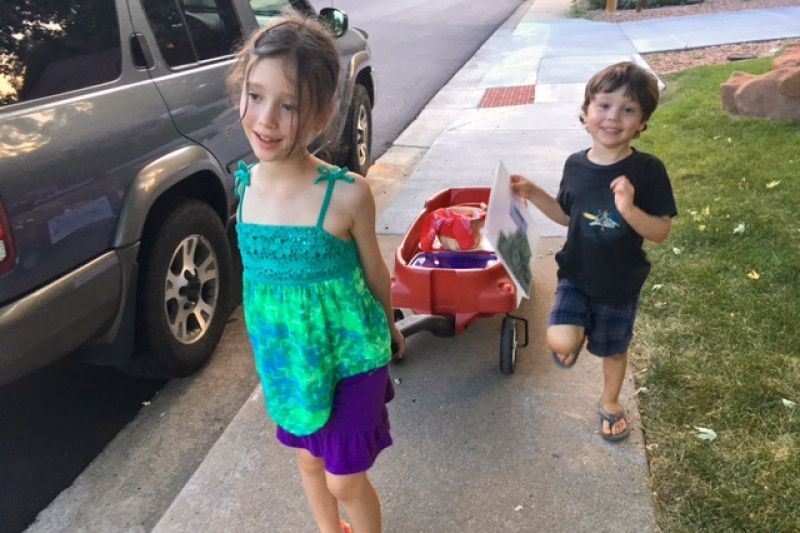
pixel 345 526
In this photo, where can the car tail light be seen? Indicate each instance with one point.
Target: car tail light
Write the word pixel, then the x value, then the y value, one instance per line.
pixel 7 252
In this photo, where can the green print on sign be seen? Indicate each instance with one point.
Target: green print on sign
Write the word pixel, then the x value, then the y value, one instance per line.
pixel 516 251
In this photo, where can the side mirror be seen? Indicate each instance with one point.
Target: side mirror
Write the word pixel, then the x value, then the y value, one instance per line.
pixel 334 19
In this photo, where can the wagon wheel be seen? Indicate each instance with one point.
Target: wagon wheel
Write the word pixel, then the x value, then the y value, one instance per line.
pixel 508 342
pixel 508 345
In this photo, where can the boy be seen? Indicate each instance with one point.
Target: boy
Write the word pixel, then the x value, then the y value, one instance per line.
pixel 611 197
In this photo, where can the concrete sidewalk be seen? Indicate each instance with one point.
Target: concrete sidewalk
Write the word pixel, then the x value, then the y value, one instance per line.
pixel 464 141
pixel 475 450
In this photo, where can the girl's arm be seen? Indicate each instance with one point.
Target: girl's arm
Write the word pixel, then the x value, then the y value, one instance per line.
pixel 651 227
pixel 375 272
pixel 524 188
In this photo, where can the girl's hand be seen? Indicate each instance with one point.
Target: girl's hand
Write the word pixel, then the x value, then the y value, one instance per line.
pixel 522 186
pixel 623 193
pixel 398 341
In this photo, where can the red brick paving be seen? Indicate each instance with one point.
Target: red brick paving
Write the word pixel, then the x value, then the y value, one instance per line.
pixel 506 96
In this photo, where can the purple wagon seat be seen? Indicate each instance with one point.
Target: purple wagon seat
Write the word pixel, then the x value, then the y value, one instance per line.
pixel 453 260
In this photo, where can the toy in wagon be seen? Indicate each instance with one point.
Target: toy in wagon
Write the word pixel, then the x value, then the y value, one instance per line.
pixel 457 227
pixel 469 254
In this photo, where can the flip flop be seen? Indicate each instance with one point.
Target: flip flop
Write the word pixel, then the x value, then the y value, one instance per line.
pixel 613 418
pixel 345 526
pixel 562 364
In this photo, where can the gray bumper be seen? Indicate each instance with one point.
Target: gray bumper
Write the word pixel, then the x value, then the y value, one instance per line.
pixel 57 318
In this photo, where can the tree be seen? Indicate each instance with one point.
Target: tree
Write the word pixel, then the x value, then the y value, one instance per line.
pixel 30 29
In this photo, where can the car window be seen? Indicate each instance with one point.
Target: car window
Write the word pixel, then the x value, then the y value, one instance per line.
pixel 53 47
pixel 188 31
pixel 266 9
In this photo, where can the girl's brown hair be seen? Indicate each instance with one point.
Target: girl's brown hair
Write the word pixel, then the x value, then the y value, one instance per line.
pixel 640 86
pixel 302 43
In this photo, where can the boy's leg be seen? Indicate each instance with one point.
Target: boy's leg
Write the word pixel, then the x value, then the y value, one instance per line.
pixel 323 504
pixel 360 500
pixel 566 327
pixel 564 341
pixel 611 335
pixel 613 376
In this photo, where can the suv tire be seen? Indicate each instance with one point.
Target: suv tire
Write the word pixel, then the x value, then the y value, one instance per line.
pixel 358 132
pixel 182 311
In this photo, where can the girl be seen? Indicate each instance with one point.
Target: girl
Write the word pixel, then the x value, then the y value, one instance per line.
pixel 316 290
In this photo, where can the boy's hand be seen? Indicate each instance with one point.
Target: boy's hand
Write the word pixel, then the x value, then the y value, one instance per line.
pixel 623 193
pixel 522 187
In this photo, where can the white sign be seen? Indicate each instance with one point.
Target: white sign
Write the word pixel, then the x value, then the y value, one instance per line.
pixel 512 232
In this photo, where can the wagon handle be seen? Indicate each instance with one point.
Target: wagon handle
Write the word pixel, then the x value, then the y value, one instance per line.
pixel 525 322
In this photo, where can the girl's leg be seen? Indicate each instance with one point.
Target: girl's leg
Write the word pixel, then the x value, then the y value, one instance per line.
pixel 323 504
pixel 564 340
pixel 359 499
pixel 613 376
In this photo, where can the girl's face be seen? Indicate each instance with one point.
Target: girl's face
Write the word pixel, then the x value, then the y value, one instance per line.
pixel 613 119
pixel 270 113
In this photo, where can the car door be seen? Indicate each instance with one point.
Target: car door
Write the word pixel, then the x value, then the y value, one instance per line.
pixel 196 41
pixel 77 117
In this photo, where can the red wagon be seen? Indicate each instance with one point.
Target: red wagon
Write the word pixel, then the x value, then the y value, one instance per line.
pixel 447 290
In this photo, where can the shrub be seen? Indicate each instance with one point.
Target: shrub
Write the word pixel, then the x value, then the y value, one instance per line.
pixel 631 4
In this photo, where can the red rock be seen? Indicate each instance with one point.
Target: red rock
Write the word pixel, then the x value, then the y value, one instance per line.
pixel 775 94
pixel 728 89
pixel 789 85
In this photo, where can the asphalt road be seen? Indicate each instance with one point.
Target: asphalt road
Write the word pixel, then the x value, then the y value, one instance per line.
pixel 55 422
pixel 417 46
pixel 52 424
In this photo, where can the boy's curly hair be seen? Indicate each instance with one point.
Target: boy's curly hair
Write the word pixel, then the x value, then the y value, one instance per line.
pixel 640 85
pixel 303 44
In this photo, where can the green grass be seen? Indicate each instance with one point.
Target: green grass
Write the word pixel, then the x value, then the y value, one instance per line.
pixel 714 347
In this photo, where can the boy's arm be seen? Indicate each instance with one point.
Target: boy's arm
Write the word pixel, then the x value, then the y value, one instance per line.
pixel 651 227
pixel 376 274
pixel 548 205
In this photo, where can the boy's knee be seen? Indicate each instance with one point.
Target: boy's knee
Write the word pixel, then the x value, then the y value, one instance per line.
pixel 564 340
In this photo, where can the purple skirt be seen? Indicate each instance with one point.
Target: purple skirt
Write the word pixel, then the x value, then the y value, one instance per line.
pixel 358 428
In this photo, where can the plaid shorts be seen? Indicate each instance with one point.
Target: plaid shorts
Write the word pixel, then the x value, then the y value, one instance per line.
pixel 609 327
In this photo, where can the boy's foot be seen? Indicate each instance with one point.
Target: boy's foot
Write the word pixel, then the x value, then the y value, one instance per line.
pixel 567 361
pixel 613 426
pixel 345 526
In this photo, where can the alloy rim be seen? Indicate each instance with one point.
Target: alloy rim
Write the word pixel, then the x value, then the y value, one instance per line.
pixel 191 289
pixel 362 132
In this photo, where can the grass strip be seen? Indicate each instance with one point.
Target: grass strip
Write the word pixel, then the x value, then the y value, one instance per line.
pixel 718 338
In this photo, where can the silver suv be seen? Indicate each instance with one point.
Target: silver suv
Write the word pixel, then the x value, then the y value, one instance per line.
pixel 117 146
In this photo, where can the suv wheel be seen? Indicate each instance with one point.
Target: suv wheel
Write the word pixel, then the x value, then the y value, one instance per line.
pixel 184 290
pixel 358 132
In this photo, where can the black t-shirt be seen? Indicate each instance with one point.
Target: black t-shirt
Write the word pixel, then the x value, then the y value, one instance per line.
pixel 603 255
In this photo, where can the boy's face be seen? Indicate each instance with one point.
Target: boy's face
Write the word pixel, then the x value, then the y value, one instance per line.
pixel 613 119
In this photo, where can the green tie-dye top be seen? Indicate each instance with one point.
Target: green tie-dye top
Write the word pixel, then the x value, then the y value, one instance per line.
pixel 310 315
